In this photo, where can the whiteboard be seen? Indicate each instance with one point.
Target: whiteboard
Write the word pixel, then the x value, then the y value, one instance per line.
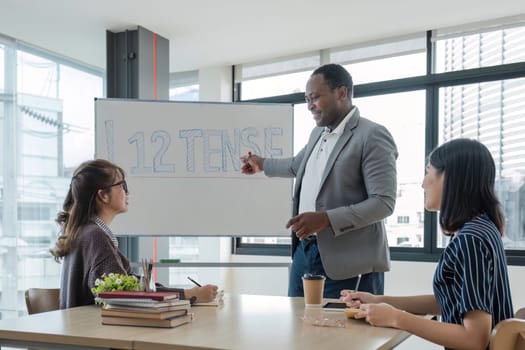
pixel 182 164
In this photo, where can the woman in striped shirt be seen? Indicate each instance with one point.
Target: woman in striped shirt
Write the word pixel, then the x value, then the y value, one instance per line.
pixel 471 284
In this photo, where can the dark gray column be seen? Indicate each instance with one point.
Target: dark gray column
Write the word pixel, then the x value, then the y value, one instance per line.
pixel 137 66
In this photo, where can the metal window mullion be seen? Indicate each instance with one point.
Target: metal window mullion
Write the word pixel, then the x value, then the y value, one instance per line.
pixel 430 231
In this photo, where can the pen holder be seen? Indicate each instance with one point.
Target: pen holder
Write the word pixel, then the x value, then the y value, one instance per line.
pixel 152 286
pixel 147 285
pixel 147 282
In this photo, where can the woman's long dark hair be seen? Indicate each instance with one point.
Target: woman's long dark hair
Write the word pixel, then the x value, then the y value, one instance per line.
pixel 468 188
pixel 79 206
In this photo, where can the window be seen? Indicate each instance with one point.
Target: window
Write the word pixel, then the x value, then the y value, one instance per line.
pixel 403 219
pixel 2 67
pixel 34 212
pixel 475 89
pixel 185 93
pixel 395 59
pixel 184 86
pixel 277 77
pixel 47 130
pixel 489 111
pixel 398 113
pixel 276 85
pixel 455 51
pixel 494 114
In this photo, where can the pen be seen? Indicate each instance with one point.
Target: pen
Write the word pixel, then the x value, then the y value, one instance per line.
pixel 357 283
pixel 195 282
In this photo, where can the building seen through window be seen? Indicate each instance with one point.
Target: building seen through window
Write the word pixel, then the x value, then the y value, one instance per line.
pixel 490 112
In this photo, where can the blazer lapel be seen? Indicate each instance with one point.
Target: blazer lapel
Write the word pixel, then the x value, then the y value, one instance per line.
pixel 340 145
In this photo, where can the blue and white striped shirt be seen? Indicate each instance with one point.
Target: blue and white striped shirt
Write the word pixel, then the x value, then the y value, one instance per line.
pixel 472 274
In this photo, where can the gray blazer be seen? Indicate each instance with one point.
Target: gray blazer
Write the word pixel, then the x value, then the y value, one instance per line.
pixel 358 191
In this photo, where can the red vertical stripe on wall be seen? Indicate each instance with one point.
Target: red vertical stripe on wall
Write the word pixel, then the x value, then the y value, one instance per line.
pixel 155 97
pixel 155 66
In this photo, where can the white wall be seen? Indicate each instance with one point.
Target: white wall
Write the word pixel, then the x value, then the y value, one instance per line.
pixel 215 84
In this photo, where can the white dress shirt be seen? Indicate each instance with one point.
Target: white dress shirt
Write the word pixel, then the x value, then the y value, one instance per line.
pixel 316 165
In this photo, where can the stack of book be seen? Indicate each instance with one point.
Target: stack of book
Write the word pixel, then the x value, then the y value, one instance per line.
pixel 146 309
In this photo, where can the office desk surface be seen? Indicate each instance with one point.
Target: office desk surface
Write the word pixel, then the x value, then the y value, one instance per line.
pixel 77 326
pixel 265 322
pixel 243 322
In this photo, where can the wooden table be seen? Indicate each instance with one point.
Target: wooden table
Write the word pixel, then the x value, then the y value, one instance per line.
pixel 76 328
pixel 243 322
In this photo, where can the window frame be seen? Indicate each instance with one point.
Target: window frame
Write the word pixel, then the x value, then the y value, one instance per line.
pixel 431 83
pixel 25 226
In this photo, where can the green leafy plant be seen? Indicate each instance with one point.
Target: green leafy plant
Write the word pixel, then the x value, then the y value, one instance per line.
pixel 114 281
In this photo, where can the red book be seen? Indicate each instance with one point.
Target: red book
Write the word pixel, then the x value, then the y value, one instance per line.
pixel 158 296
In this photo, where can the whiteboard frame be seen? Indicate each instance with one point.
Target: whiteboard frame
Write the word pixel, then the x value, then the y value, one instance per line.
pixel 163 203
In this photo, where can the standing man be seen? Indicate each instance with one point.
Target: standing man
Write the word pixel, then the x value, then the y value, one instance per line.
pixel 345 187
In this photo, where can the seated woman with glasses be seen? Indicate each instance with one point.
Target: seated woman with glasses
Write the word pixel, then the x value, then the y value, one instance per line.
pixel 87 247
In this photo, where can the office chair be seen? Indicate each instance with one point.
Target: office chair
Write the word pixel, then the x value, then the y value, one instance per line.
pixel 520 313
pixel 509 334
pixel 42 300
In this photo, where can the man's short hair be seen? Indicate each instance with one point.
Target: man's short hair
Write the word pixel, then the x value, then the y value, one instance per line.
pixel 335 76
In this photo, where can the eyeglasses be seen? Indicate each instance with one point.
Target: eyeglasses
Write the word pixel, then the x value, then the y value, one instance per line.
pixel 120 183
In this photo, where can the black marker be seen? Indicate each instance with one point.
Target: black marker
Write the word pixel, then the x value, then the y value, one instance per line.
pixel 248 166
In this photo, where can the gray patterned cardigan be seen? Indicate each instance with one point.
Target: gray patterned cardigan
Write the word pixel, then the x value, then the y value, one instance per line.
pixel 92 255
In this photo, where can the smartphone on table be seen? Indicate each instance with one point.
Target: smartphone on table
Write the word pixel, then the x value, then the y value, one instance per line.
pixel 334 306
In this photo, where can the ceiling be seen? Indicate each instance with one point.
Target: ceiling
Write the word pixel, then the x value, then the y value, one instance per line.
pixel 205 33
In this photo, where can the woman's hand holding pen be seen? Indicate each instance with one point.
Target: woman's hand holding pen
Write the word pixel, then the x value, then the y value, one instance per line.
pixel 203 294
pixel 354 299
pixel 371 308
pixel 252 164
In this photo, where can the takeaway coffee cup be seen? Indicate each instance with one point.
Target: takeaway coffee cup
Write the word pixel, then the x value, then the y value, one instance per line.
pixel 313 286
